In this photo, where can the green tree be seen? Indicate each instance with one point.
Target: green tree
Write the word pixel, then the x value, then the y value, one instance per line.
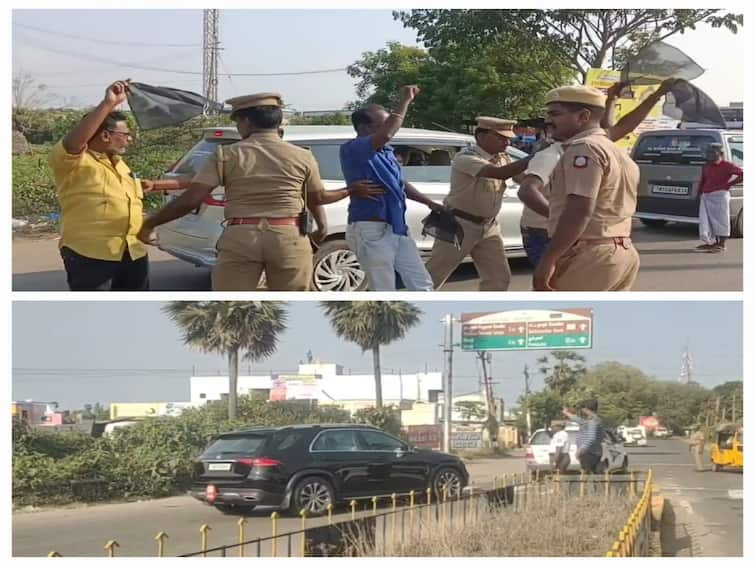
pixel 501 79
pixel 544 406
pixel 680 405
pixel 229 328
pixel 371 324
pixel 339 119
pixel 386 418
pixel 561 370
pixel 471 410
pixel 580 39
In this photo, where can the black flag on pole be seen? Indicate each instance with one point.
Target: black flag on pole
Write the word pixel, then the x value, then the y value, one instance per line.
pixel 160 106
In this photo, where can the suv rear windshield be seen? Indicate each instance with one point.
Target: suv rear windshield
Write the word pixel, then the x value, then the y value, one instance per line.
pixel 541 437
pixel 193 161
pixel 673 149
pixel 230 446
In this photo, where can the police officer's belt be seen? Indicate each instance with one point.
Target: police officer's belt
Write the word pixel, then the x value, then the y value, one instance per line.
pixel 292 221
pixel 623 241
pixel 471 217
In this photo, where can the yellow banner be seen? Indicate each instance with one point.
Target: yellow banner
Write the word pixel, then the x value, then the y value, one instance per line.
pixel 603 79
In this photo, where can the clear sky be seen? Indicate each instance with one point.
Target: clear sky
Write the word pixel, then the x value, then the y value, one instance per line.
pixel 76 67
pixel 78 352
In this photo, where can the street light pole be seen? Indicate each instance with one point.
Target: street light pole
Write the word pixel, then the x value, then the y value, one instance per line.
pixel 448 349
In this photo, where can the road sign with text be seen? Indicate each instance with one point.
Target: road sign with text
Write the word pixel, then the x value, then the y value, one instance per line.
pixel 527 330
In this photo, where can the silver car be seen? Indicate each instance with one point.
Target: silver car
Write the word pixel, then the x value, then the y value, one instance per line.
pixel 426 157
pixel 671 163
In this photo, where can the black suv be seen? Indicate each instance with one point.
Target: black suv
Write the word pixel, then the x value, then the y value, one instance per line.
pixel 311 466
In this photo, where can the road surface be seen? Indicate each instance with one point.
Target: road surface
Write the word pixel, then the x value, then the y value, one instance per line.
pixel 708 510
pixel 668 264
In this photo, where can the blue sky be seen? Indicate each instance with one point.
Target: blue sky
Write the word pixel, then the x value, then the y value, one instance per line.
pixel 77 69
pixel 133 352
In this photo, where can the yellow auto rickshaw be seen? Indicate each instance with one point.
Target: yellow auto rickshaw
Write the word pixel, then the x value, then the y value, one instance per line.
pixel 727 451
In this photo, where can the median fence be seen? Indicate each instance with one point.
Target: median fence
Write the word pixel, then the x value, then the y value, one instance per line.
pixel 381 524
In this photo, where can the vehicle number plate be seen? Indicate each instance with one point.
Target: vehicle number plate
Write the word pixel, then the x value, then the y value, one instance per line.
pixel 219 467
pixel 669 189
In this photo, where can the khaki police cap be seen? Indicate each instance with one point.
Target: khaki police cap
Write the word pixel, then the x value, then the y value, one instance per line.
pixel 498 125
pixel 580 94
pixel 255 100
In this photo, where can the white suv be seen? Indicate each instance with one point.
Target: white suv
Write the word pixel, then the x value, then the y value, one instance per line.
pixel 614 458
pixel 427 156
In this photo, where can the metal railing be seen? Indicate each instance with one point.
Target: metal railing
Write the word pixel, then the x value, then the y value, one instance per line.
pixel 420 511
pixel 634 538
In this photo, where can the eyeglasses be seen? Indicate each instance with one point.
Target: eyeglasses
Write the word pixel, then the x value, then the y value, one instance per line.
pixel 127 134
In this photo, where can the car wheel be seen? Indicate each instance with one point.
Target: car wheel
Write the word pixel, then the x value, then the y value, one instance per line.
pixel 602 467
pixel 447 480
pixel 715 467
pixel 336 268
pixel 738 226
pixel 653 223
pixel 625 465
pixel 313 494
pixel 229 509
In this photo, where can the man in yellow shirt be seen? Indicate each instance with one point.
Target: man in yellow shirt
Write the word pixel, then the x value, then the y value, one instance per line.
pixel 101 201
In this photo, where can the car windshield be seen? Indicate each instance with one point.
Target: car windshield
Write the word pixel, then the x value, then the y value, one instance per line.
pixel 229 446
pixel 676 149
pixel 541 437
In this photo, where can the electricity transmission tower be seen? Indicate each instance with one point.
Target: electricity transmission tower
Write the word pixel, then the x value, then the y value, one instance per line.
pixel 210 50
pixel 686 373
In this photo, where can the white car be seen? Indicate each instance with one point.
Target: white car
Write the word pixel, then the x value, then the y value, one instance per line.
pixel 614 457
pixel 427 156
pixel 636 436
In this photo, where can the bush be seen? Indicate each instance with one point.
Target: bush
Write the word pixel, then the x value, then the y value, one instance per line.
pixel 386 418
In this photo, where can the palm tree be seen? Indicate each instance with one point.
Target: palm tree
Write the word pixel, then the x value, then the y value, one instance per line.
pixel 371 324
pixel 230 327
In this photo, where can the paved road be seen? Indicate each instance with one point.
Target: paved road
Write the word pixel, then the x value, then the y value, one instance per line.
pixel 83 531
pixel 668 264
pixel 708 508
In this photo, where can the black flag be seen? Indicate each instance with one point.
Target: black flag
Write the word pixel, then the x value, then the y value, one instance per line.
pixel 160 106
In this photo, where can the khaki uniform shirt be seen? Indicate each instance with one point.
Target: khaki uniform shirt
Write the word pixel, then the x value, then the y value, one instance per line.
pixel 697 441
pixel 263 176
pixel 595 167
pixel 472 194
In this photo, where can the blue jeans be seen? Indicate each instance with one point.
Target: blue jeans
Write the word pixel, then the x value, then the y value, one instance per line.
pixel 535 241
pixel 381 254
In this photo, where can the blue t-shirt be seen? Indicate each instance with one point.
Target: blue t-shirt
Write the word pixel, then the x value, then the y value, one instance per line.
pixel 359 161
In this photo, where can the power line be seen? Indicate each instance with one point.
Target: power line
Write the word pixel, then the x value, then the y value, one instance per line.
pixel 104 41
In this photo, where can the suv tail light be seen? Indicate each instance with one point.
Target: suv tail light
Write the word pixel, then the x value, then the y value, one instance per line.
pixel 260 462
pixel 211 493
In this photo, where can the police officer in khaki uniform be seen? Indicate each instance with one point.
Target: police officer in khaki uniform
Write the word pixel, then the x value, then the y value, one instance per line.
pixel 593 197
pixel 697 447
pixel 266 180
pixel 478 181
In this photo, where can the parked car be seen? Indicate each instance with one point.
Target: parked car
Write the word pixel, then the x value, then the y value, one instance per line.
pixel 670 164
pixel 312 466
pixel 662 432
pixel 427 157
pixel 614 457
pixel 636 436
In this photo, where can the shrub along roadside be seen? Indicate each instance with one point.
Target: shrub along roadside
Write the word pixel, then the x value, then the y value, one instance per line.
pixel 151 459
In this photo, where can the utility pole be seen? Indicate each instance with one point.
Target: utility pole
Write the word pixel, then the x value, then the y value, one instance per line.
pixel 448 350
pixel 718 410
pixel 527 398
pixel 210 51
pixel 486 359
pixel 734 408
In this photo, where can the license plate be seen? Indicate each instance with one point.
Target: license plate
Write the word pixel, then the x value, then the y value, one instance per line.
pixel 669 190
pixel 218 467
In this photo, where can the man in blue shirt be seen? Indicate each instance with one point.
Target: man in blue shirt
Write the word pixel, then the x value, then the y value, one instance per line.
pixel 589 437
pixel 377 232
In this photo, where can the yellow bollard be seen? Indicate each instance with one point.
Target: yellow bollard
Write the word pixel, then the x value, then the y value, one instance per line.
pixel 608 482
pixel 393 518
pixel 374 505
pixel 353 509
pixel 241 522
pixel 160 538
pixel 110 546
pixel 54 554
pixel 203 530
pixel 303 514
pixel 582 480
pixel 537 475
pixel 411 498
pixel 330 513
pixel 393 501
pixel 632 488
pixel 558 482
pixel 274 540
pixel 495 483
pixel 429 493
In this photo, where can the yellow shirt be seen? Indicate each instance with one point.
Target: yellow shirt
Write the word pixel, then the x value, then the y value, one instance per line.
pixel 101 204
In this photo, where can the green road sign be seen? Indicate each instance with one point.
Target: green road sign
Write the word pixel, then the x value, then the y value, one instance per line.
pixel 527 330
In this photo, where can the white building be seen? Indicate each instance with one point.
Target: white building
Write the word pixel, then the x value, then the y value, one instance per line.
pixel 327 383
